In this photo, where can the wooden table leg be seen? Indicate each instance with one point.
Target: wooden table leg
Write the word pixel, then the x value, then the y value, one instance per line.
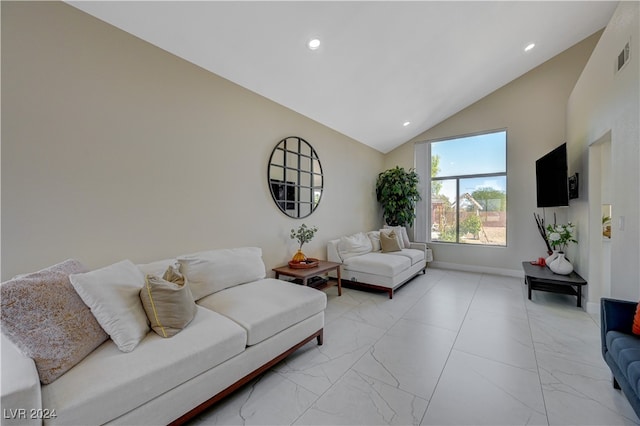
pixel 579 296
pixel 339 283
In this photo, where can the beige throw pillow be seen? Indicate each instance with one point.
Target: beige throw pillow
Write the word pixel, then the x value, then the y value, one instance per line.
pixel 46 319
pixel 397 234
pixel 401 232
pixel 389 242
pixel 168 302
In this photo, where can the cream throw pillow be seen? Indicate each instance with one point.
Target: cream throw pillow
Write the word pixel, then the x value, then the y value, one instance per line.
pixel 168 302
pixel 374 236
pixel 46 319
pixel 158 268
pixel 210 271
pixel 113 294
pixel 389 242
pixel 354 245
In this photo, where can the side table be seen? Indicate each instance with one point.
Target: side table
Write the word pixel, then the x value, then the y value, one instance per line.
pixel 543 279
pixel 305 273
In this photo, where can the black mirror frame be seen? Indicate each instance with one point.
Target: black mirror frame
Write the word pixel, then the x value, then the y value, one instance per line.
pixel 293 197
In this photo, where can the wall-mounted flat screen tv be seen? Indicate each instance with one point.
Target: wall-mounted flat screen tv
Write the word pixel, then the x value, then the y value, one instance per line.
pixel 552 189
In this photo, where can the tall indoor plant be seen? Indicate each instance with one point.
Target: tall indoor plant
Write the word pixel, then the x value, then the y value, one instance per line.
pixel 397 191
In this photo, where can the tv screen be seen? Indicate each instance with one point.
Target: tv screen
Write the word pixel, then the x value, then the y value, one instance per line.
pixel 552 188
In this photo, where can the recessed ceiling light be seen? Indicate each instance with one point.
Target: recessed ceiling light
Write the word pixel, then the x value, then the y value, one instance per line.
pixel 529 47
pixel 406 123
pixel 313 44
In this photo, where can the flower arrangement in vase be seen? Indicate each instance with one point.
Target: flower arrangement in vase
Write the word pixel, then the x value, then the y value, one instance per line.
pixel 303 234
pixel 559 236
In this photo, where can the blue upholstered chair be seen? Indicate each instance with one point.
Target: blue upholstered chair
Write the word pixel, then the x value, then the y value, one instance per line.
pixel 621 348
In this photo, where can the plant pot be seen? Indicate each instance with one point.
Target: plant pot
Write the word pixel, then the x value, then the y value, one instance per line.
pixel 551 257
pixel 561 266
pixel 298 257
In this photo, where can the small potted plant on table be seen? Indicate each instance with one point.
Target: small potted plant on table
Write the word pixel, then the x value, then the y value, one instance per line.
pixel 303 234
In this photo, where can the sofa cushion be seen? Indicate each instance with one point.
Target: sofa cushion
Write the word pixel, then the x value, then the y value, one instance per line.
pixel 625 351
pixel 109 383
pixel 266 307
pixel 354 245
pixel 385 264
pixel 210 271
pixel 46 319
pixel 168 302
pixel 413 254
pixel 113 294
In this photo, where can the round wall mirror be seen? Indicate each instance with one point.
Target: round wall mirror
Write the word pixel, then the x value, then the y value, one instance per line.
pixel 295 177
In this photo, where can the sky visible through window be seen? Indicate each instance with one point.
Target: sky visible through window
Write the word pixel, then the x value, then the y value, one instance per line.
pixel 472 155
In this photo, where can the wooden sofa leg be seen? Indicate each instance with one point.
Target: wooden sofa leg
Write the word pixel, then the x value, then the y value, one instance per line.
pixel 320 338
pixel 616 385
pixel 391 293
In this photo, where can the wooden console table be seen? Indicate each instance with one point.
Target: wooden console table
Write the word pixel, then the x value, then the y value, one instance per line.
pixel 306 273
pixel 542 278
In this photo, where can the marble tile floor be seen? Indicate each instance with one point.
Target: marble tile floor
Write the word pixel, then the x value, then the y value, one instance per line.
pixel 451 348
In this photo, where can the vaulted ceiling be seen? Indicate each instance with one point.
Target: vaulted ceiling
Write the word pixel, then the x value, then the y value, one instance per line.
pixel 380 64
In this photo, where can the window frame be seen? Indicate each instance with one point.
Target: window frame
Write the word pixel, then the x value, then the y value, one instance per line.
pixel 458 179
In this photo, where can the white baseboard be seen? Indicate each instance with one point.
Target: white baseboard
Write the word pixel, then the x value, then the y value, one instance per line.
pixel 476 268
pixel 593 307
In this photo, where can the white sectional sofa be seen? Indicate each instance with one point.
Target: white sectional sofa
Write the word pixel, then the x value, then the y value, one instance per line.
pixel 247 325
pixel 365 264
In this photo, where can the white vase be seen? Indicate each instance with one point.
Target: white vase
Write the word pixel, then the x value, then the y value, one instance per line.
pixel 561 266
pixel 551 257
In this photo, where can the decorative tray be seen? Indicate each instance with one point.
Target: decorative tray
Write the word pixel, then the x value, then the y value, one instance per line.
pixel 309 263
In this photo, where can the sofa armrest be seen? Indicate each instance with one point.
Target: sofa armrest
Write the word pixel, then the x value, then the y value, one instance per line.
pixel 616 315
pixel 332 251
pixel 418 246
pixel 20 394
pixel 428 254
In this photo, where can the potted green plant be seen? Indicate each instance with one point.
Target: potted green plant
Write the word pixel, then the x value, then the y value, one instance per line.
pixel 397 191
pixel 303 234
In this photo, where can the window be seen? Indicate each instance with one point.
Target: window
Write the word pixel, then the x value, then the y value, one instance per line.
pixel 468 189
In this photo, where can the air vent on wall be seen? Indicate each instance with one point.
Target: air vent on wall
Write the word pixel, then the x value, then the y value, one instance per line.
pixel 623 57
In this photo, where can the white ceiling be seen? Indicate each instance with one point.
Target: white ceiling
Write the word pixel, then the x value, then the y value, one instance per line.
pixel 381 63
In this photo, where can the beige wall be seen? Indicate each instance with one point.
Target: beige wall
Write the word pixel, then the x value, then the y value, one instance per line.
pixel 113 149
pixel 532 109
pixel 604 110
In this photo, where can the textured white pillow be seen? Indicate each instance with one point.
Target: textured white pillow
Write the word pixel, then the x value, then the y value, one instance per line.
pixel 374 236
pixel 113 295
pixel 208 272
pixel 45 318
pixel 354 245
